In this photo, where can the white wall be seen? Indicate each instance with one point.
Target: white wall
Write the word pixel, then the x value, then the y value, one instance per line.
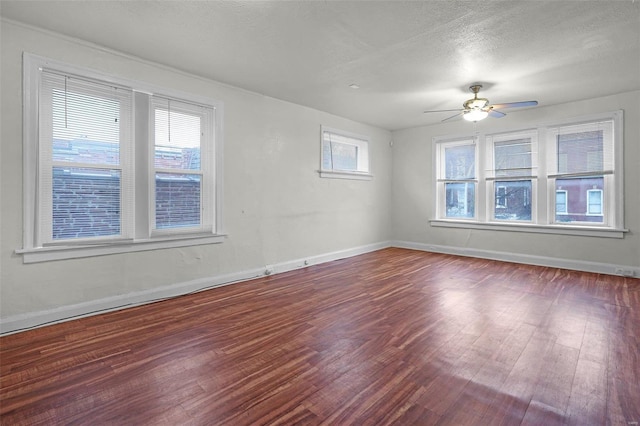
pixel 276 208
pixel 413 195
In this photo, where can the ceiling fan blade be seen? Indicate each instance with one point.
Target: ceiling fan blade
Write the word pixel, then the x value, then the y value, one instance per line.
pixel 460 114
pixel 443 110
pixel 515 104
pixel 496 114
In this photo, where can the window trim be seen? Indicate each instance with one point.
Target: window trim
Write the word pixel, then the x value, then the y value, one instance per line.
pixel 143 239
pixel 340 173
pixel 543 219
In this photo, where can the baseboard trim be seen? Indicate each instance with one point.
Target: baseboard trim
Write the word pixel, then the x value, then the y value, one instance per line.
pixel 576 265
pixel 27 321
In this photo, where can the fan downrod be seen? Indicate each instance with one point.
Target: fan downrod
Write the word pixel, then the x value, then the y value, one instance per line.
pixel 475 88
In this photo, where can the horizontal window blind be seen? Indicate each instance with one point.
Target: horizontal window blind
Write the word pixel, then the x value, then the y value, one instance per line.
pixel 583 149
pixel 181 172
pixel 459 162
pixel 84 172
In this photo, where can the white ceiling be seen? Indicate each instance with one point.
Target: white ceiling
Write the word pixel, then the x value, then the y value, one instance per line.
pixel 406 57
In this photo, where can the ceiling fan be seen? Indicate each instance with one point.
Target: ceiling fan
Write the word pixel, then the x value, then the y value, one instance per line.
pixel 477 109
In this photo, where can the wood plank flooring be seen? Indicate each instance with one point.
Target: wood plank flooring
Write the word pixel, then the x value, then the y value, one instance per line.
pixel 390 337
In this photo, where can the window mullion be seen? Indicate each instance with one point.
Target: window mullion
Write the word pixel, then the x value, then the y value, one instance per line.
pixel 143 163
pixel 481 187
pixel 545 193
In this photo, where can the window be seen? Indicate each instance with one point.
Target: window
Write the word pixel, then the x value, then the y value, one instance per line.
pixel 511 174
pixel 179 167
pixel 456 172
pixel 561 178
pixel 561 201
pixel 84 172
pixel 594 202
pixel 583 168
pixel 501 197
pixel 101 179
pixel 344 155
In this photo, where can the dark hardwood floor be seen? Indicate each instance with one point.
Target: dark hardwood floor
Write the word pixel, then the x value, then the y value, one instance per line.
pixel 391 337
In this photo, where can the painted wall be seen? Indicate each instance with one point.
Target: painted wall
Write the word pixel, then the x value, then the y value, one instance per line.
pixel 276 207
pixel 413 190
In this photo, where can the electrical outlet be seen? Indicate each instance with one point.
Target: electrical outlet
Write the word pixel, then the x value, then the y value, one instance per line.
pixel 625 272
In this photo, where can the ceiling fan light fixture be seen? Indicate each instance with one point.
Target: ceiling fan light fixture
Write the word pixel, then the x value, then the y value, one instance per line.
pixel 475 115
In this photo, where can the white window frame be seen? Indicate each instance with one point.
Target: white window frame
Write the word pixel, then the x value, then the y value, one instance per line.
pixel 613 188
pixel 490 141
pixel 440 146
pixel 207 119
pixel 543 190
pixel 141 238
pixel 359 142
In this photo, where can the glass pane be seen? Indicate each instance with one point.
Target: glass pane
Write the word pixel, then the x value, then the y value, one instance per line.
pixel 460 162
pixel 340 156
pixel 460 199
pixel 86 202
pixel 177 200
pixel 577 199
pixel 177 140
pixel 86 128
pixel 342 152
pixel 513 158
pixel 580 152
pixel 513 200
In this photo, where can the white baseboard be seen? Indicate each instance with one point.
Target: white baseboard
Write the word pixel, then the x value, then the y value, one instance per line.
pixel 21 322
pixel 576 265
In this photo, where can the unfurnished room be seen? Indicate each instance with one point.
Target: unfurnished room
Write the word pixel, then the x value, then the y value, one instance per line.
pixel 320 212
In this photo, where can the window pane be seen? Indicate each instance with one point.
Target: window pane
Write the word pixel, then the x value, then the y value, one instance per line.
pixel 513 200
pixel 86 128
pixel 177 200
pixel 513 158
pixel 86 202
pixel 460 162
pixel 342 156
pixel 577 192
pixel 580 152
pixel 177 140
pixel 341 152
pixel 460 199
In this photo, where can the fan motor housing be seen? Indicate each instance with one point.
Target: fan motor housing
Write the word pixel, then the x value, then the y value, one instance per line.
pixel 476 103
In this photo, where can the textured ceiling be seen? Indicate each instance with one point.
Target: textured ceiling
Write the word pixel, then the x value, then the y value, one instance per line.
pixel 406 57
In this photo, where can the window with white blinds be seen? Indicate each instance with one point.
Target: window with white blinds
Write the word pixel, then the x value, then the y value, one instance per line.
pixel 180 181
pixel 85 179
pixel 564 178
pixel 582 166
pixel 511 177
pixel 111 164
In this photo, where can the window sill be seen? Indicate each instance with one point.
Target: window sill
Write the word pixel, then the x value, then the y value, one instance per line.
pixel 527 227
pixel 344 175
pixel 46 254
